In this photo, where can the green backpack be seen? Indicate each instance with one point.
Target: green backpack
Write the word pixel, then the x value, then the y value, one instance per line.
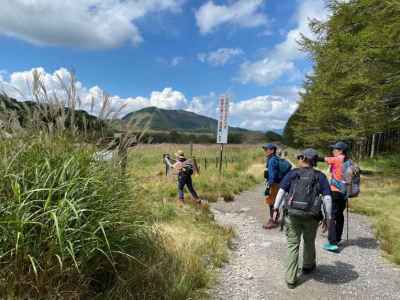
pixel 284 168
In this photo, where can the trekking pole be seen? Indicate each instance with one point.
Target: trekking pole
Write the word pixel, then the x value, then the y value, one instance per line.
pixel 347 218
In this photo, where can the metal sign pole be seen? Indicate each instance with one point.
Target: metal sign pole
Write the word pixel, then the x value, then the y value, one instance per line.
pixel 220 158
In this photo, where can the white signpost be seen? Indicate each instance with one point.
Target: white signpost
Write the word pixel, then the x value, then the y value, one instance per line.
pixel 223 125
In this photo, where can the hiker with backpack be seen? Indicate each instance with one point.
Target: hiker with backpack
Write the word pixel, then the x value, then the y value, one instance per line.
pixel 185 169
pixel 306 199
pixel 345 184
pixel 276 169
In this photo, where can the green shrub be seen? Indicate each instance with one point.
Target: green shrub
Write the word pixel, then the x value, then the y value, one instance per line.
pixel 63 222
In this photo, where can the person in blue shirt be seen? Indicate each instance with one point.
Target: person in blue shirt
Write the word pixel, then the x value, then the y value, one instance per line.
pixel 272 181
pixel 306 196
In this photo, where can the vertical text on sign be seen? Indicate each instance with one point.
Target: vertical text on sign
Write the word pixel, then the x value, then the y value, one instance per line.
pixel 223 126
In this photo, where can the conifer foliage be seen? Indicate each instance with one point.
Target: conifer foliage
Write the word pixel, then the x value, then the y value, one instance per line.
pixel 353 93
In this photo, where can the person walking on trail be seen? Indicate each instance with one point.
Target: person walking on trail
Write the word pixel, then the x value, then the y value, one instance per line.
pixel 306 198
pixel 184 168
pixel 339 195
pixel 272 181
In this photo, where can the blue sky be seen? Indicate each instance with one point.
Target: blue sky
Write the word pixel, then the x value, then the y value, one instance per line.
pixel 175 54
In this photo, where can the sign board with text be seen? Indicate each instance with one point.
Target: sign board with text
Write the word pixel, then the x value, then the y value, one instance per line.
pixel 223 126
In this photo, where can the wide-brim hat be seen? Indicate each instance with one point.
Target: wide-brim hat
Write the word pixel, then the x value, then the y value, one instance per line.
pixel 180 154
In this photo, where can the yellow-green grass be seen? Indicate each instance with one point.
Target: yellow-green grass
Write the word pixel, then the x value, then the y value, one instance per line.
pixel 380 199
pixel 190 234
pixel 242 168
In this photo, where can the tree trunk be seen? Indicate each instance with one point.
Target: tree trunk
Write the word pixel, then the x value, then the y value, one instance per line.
pixel 373 142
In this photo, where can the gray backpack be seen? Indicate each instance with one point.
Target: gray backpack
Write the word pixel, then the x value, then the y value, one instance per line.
pixel 304 197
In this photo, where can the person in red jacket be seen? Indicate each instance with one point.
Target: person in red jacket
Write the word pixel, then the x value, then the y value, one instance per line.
pixel 339 199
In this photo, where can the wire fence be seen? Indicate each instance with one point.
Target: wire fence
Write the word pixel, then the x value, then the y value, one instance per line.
pixel 200 163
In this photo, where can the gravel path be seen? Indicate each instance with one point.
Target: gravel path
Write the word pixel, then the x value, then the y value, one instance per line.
pixel 256 267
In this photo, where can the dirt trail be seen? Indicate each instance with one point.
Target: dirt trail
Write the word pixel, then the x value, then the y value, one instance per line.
pixel 256 267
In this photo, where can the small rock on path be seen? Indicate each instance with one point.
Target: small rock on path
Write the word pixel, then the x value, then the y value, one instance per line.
pixel 256 268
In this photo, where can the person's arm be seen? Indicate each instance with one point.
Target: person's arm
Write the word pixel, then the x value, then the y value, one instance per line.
pixel 273 170
pixel 326 195
pixel 168 162
pixel 330 160
pixel 327 200
pixel 279 199
pixel 266 170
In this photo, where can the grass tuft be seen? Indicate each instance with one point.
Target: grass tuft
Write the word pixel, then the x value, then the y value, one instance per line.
pixel 380 199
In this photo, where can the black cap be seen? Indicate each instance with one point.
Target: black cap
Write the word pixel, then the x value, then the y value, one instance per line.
pixel 340 146
pixel 269 146
pixel 310 154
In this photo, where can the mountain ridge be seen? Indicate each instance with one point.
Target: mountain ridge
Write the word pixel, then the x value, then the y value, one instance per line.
pixel 154 118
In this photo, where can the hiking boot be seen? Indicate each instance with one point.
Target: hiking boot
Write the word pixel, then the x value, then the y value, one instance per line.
pixel 330 247
pixel 204 204
pixel 201 204
pixel 291 286
pixel 308 270
pixel 270 224
pixel 180 203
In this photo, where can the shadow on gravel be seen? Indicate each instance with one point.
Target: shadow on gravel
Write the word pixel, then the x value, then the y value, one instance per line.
pixel 364 243
pixel 340 273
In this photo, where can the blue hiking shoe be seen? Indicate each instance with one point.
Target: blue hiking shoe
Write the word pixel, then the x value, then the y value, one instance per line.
pixel 330 247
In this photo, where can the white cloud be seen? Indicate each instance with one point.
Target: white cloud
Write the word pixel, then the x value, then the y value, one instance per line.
pixel 291 93
pixel 91 98
pixel 263 112
pixel 173 62
pixel 91 24
pixel 168 99
pixel 176 61
pixel 265 71
pixel 204 105
pixel 220 57
pixel 3 73
pixel 281 60
pixel 244 13
pixel 260 113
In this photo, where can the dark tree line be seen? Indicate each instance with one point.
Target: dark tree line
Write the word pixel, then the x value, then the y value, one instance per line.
pixel 353 93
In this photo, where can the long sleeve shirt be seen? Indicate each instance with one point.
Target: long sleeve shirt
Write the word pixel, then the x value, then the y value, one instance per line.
pixel 273 169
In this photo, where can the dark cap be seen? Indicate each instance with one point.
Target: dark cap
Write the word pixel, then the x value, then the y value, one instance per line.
pixel 340 146
pixel 269 146
pixel 309 154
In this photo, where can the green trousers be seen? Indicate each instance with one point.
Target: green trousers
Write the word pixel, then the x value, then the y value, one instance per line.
pixel 295 228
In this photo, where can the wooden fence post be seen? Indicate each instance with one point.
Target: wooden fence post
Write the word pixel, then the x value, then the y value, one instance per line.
pixel 196 166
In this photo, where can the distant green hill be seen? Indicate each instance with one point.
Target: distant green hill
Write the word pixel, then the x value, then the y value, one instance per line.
pixel 152 124
pixel 157 119
pixel 29 113
pixel 272 136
